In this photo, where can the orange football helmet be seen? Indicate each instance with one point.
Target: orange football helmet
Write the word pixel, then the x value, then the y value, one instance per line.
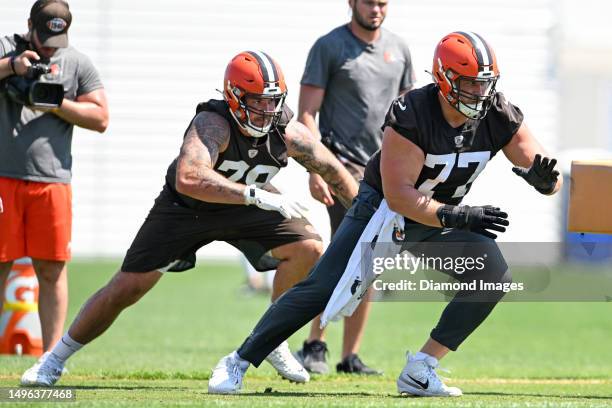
pixel 465 69
pixel 255 90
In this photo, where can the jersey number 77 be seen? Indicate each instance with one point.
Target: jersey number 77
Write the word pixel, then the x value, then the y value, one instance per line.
pixel 462 160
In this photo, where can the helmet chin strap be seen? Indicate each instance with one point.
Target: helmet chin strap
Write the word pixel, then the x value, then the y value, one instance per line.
pixel 248 130
pixel 253 130
pixel 255 134
pixel 468 111
pixel 273 117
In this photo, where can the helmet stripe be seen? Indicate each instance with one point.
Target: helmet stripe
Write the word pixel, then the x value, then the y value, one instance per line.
pixel 274 71
pixel 267 66
pixel 483 55
pixel 486 48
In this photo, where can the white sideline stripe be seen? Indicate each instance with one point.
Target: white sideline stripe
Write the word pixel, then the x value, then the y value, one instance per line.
pixel 551 381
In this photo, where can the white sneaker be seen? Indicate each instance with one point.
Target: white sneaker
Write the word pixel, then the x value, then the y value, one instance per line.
pixel 47 370
pixel 287 366
pixel 420 378
pixel 227 376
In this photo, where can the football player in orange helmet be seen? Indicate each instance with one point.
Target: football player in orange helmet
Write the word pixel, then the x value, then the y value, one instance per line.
pixel 218 189
pixel 465 70
pixel 255 90
pixel 437 139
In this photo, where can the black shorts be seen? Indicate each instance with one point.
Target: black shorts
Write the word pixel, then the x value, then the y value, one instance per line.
pixel 173 232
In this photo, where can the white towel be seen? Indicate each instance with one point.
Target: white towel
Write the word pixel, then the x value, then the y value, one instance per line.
pixel 359 274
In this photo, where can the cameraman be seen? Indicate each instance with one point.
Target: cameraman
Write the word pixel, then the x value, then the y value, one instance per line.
pixel 35 156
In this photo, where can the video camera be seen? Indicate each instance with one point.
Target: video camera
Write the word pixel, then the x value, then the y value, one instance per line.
pixel 36 88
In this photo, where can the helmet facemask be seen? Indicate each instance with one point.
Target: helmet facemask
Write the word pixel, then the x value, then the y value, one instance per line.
pixel 257 114
pixel 263 113
pixel 471 96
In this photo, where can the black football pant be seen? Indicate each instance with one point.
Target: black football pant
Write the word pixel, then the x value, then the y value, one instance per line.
pixel 300 304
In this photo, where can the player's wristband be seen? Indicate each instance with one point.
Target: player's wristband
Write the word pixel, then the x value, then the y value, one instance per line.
pixel 451 216
pixel 12 64
pixel 249 194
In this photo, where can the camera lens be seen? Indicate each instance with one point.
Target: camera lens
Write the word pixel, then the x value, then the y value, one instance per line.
pixel 40 93
pixel 46 94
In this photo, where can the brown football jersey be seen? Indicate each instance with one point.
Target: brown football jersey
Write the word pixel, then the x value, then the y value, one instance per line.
pixel 451 164
pixel 246 160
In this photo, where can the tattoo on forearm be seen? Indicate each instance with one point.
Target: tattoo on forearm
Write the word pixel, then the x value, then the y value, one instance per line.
pixel 346 198
pixel 213 182
pixel 322 162
pixel 204 140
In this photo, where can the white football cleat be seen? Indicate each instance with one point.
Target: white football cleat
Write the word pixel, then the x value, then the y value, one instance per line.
pixel 227 376
pixel 420 378
pixel 287 366
pixel 47 370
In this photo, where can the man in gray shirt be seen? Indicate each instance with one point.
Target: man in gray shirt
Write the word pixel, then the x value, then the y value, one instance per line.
pixel 35 155
pixel 352 75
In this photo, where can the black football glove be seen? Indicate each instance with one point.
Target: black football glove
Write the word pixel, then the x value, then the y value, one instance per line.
pixel 475 219
pixel 542 174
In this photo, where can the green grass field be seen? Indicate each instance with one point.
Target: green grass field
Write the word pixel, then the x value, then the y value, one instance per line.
pixel 160 352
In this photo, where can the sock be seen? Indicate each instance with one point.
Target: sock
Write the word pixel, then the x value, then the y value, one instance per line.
pixel 65 348
pixel 244 364
pixel 421 356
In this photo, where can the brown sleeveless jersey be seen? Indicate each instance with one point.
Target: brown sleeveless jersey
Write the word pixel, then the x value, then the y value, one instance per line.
pixel 246 160
pixel 449 171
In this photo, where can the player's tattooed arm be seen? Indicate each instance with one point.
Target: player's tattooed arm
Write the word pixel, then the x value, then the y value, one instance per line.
pixel 207 136
pixel 316 158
